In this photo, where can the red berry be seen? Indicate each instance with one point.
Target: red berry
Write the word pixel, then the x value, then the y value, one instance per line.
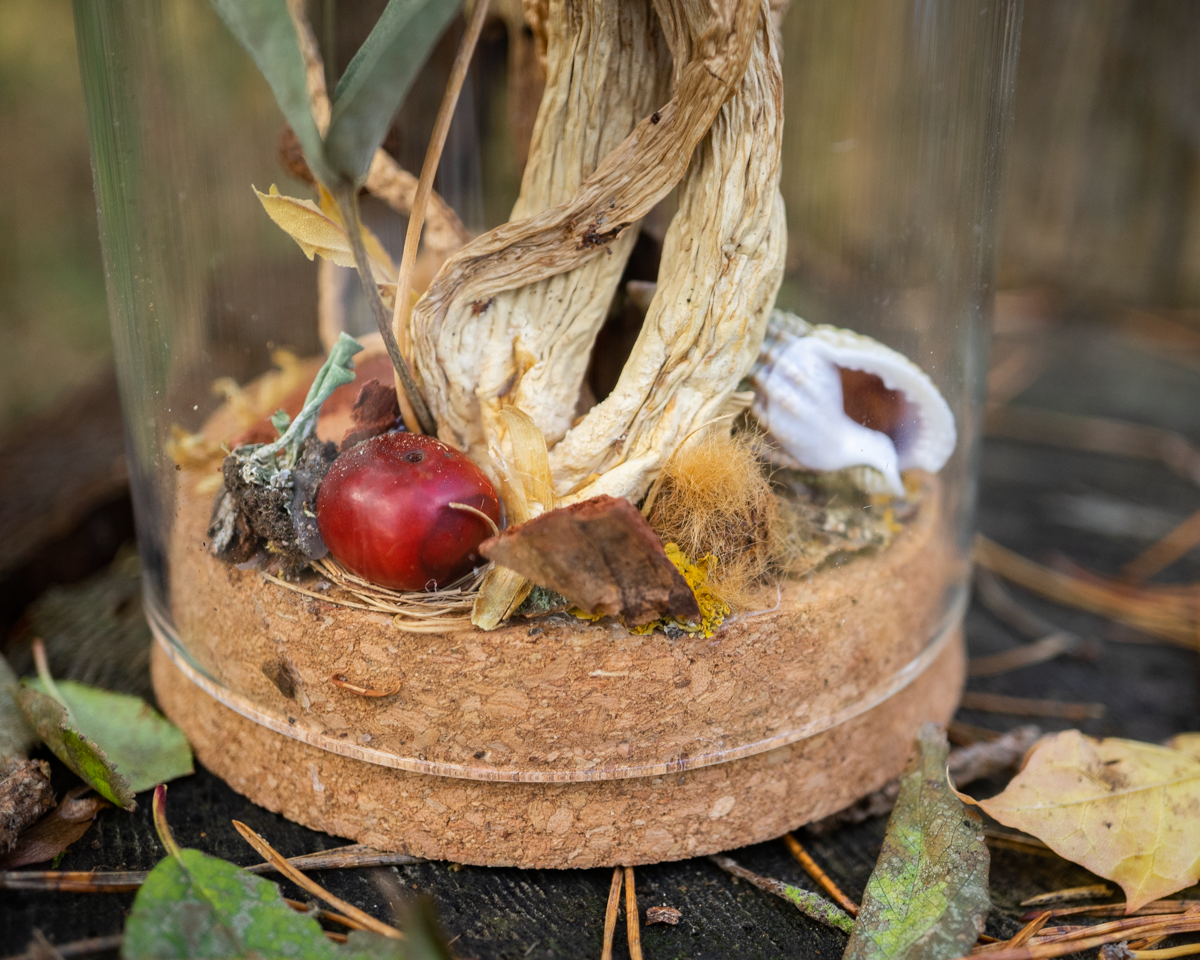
pixel 383 511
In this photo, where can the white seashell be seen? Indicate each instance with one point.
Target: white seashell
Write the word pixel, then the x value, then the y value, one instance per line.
pixel 799 401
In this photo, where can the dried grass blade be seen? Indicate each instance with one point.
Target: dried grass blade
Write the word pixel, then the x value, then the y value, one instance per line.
pixel 1161 555
pixel 1038 652
pixel 433 155
pixel 610 913
pixel 1154 908
pixel 1088 940
pixel 271 855
pixel 1161 611
pixel 633 919
pixel 813 869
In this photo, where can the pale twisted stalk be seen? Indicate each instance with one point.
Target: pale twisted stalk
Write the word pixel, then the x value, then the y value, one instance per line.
pixel 723 260
pixel 463 342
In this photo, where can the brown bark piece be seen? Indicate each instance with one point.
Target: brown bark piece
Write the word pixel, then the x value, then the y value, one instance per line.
pixel 25 794
pixel 52 834
pixel 602 556
pixel 374 412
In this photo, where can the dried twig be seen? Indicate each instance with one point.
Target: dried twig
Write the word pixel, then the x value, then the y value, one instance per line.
pixel 1029 707
pixel 808 903
pixel 273 856
pixel 79 948
pixel 1161 555
pixel 1051 640
pixel 1172 613
pixel 1093 892
pixel 118 881
pixel 611 911
pixel 1096 435
pixel 824 881
pixel 633 929
pixel 1039 652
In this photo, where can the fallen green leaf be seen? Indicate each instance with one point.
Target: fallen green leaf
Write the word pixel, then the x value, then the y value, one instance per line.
pixel 264 29
pixel 16 736
pixel 144 745
pixel 52 724
pixel 193 906
pixel 377 79
pixel 927 898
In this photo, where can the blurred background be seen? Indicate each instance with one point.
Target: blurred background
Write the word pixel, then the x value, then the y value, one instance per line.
pixel 1102 204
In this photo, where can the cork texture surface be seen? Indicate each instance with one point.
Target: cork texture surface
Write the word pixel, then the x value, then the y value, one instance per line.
pixel 556 697
pixel 558 825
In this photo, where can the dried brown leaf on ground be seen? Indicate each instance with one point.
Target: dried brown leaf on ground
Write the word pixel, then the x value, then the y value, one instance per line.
pixel 56 831
pixel 1125 810
pixel 927 898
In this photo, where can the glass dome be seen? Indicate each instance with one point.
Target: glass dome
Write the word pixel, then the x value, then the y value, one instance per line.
pixel 766 339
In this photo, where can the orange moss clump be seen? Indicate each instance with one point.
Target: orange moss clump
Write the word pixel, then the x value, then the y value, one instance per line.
pixel 713 498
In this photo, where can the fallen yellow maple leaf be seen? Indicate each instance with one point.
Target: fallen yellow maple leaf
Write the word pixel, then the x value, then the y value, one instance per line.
pixel 319 231
pixel 1127 811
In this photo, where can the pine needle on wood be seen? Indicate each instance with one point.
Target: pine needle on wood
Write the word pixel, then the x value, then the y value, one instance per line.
pixel 271 855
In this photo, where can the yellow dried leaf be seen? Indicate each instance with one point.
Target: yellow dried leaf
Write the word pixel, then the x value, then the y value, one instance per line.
pixel 1188 743
pixel 523 465
pixel 319 232
pixel 1125 810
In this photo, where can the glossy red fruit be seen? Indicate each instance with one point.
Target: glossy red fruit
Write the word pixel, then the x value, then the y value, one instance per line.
pixel 383 511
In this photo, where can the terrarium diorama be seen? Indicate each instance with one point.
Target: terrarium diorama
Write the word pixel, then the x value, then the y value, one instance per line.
pixel 553 536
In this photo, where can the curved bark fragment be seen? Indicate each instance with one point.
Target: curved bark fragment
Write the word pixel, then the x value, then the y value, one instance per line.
pixel 478 345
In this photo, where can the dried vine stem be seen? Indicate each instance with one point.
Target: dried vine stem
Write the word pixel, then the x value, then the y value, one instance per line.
pixel 722 264
pixel 416 220
pixel 472 354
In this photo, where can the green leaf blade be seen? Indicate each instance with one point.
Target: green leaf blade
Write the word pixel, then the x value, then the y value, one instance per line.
pixel 49 720
pixel 139 741
pixel 264 29
pixel 377 79
pixel 199 906
pixel 927 898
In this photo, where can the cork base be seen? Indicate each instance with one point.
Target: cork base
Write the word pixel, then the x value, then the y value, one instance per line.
pixel 552 825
